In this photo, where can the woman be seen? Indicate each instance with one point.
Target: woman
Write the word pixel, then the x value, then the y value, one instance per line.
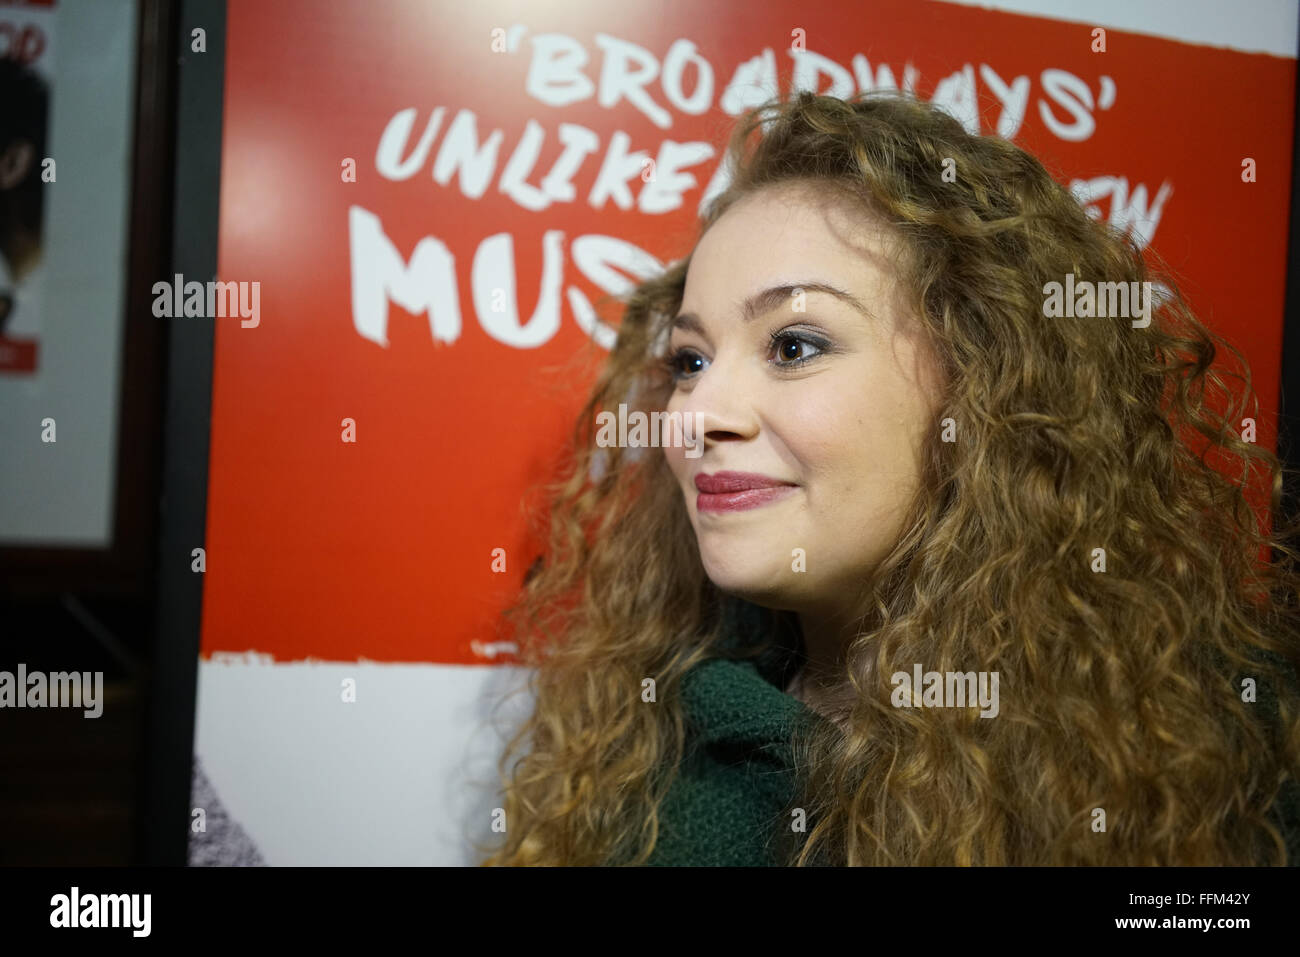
pixel 947 579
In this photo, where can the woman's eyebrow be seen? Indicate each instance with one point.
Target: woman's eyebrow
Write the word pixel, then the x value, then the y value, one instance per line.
pixel 770 298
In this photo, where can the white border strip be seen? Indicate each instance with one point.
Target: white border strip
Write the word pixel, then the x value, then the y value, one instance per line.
pixel 1251 26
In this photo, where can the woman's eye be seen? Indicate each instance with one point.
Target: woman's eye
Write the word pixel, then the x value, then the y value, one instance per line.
pixel 793 350
pixel 789 350
pixel 684 363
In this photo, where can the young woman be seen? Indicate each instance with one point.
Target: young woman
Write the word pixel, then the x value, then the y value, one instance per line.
pixel 950 578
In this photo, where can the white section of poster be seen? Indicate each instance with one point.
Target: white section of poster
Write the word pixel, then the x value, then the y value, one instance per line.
pixel 1256 26
pixel 403 775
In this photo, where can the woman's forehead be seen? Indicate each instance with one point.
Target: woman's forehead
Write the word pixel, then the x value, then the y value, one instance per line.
pixel 786 232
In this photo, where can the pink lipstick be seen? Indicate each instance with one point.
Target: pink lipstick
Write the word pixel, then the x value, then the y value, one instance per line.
pixel 736 491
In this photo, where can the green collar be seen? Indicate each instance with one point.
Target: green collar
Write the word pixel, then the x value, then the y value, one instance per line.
pixel 730 701
pixel 740 701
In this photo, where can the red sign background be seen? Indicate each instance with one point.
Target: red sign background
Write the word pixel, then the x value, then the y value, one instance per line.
pixel 382 549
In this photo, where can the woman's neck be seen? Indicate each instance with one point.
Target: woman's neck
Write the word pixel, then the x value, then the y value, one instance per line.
pixel 822 682
pixel 826 638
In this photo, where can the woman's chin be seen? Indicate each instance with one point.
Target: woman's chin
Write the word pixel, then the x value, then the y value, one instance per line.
pixel 765 587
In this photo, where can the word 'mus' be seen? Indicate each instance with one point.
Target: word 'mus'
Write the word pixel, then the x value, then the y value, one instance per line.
pixel 210 300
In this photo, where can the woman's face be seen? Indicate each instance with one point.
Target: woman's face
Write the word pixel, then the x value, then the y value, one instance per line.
pixel 820 400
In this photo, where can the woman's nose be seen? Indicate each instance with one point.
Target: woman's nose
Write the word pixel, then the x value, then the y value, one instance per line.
pixel 722 403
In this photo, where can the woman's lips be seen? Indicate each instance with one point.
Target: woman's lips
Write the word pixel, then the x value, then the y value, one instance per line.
pixel 736 491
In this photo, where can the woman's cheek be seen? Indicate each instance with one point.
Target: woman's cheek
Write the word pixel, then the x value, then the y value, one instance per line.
pixel 676 458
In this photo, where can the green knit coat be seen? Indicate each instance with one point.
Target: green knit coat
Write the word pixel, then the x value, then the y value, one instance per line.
pixel 728 803
pixel 730 795
pixel 729 800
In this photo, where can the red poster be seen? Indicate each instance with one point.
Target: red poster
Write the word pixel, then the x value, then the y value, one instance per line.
pixel 451 298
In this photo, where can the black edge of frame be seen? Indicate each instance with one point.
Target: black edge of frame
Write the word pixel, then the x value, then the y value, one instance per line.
pixel 199 83
pixel 1288 440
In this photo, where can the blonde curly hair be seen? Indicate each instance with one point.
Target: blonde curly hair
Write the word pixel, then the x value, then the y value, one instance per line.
pixel 1073 435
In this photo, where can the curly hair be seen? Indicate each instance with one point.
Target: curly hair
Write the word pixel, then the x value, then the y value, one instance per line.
pixel 1100 533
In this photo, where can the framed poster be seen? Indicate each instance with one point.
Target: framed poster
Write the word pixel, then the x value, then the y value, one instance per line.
pixel 67 121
